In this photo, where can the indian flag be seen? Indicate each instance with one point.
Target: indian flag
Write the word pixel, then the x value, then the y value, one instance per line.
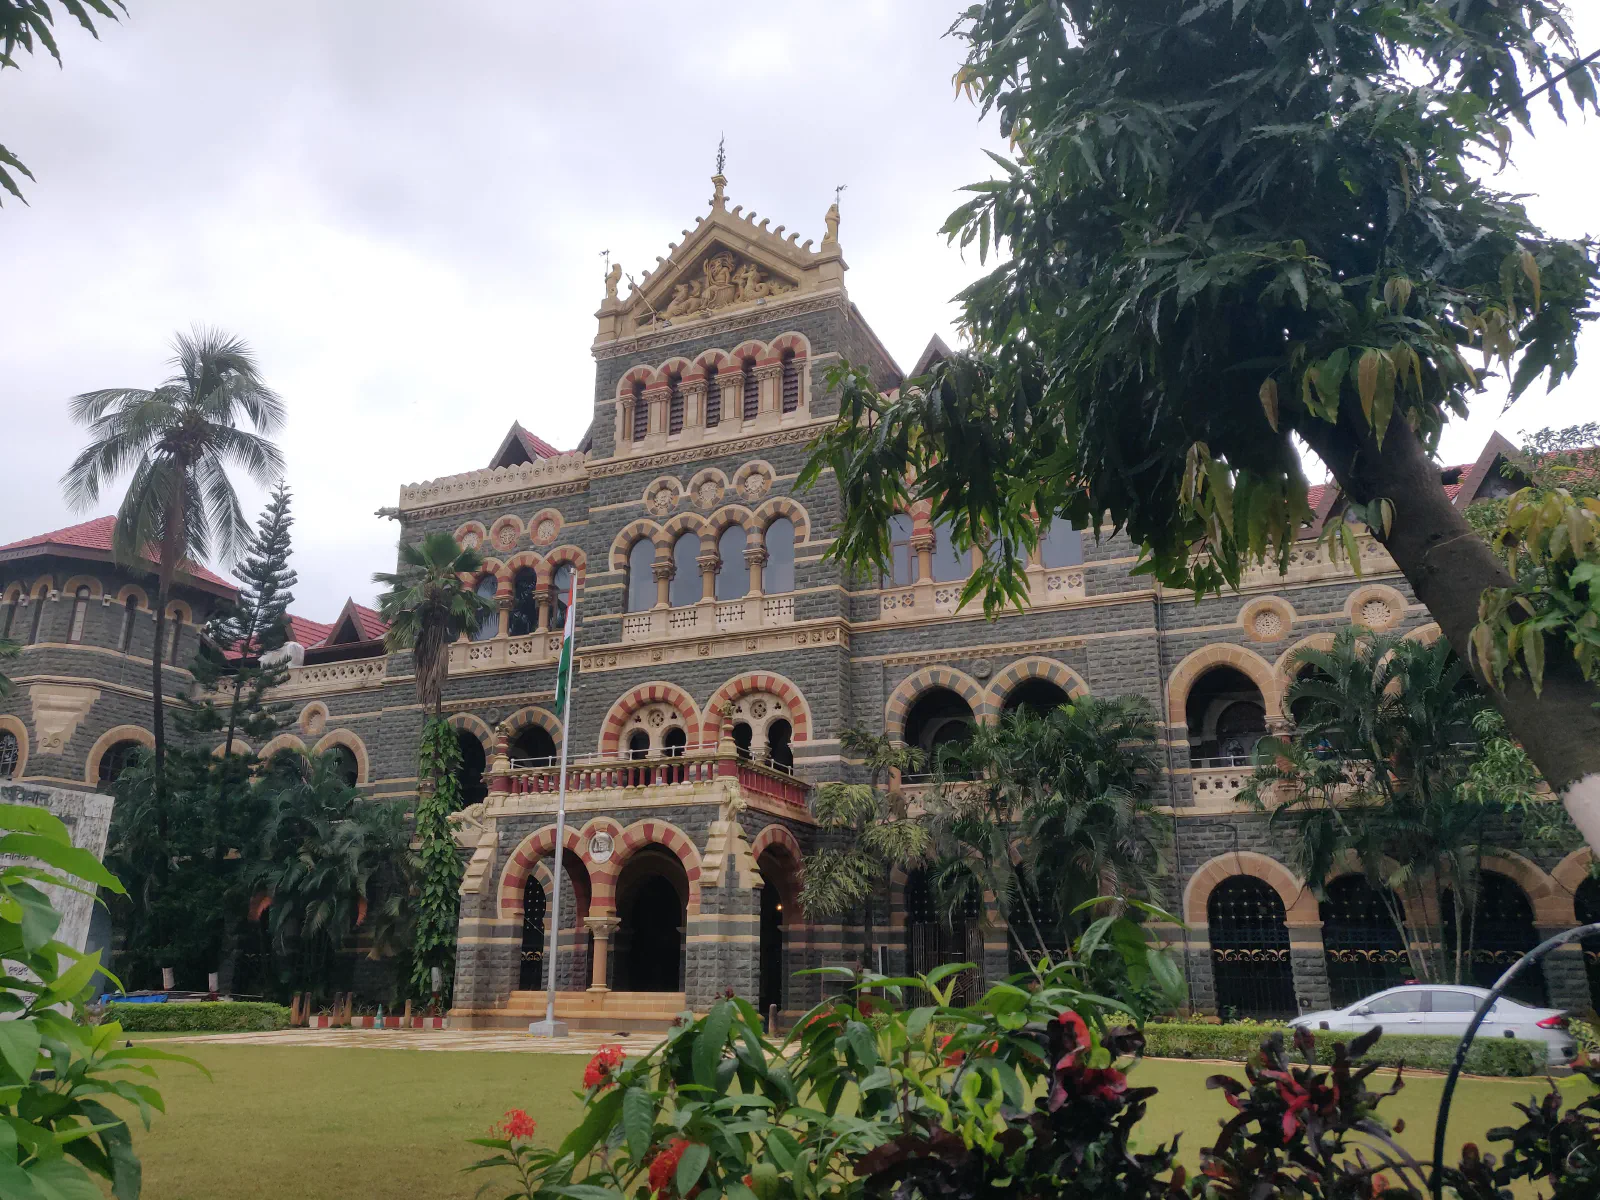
pixel 564 671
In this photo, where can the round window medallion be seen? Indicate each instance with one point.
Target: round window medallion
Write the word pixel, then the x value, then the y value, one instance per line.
pixel 506 538
pixel 982 668
pixel 601 847
pixel 1375 614
pixel 755 487
pixel 545 533
pixel 1269 624
pixel 709 494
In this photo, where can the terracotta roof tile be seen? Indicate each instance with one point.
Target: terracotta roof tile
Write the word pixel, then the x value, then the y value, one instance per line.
pixel 536 447
pixel 95 535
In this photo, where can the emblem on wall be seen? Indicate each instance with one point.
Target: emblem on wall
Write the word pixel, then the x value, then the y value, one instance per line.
pixel 601 846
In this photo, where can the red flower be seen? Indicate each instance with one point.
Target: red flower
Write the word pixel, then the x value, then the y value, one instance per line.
pixel 956 1057
pixel 517 1126
pixel 1077 1034
pixel 665 1165
pixel 598 1072
pixel 1103 1083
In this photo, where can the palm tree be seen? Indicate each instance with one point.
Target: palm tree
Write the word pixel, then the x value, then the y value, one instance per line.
pixel 178 441
pixel 870 831
pixel 427 605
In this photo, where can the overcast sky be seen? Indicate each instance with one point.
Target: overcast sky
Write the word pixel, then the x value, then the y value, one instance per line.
pixel 402 206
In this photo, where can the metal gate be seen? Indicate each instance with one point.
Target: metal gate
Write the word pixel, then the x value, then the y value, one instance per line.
pixel 1500 930
pixel 1587 901
pixel 1250 950
pixel 932 942
pixel 530 975
pixel 1365 950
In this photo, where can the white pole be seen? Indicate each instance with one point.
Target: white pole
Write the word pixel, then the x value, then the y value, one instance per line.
pixel 561 833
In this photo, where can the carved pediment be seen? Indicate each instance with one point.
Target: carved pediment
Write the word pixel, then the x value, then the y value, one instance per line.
pixel 721 278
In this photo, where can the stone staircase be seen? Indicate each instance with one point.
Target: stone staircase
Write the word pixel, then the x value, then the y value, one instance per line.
pixel 597 1012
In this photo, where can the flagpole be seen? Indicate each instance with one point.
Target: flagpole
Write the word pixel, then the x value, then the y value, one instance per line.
pixel 549 1027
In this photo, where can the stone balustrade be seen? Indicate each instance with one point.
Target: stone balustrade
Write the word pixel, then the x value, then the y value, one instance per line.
pixel 694 768
pixel 709 617
pixel 335 676
pixel 498 654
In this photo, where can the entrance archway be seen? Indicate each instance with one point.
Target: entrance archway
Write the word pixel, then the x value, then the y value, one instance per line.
pixel 653 905
pixel 1250 962
pixel 470 774
pixel 1036 696
pixel 935 938
pixel 530 972
pixel 779 864
pixel 940 718
pixel 1364 949
pixel 1500 931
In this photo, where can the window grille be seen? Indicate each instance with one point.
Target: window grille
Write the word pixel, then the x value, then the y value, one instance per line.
pixel 791 382
pixel 752 391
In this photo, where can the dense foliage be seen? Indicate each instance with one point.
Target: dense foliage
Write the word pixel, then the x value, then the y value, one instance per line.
pixel 1228 227
pixel 1496 1056
pixel 213 1016
pixel 438 900
pixel 58 1074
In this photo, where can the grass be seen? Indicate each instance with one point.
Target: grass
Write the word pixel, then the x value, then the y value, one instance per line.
pixel 320 1124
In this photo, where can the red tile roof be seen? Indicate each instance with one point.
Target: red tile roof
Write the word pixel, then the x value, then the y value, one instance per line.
pixel 372 625
pixel 536 447
pixel 307 632
pixel 95 536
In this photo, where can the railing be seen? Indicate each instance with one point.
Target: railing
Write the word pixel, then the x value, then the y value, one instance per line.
pixel 707 617
pixel 700 765
pixel 1217 785
pixel 1223 760
pixel 335 676
pixel 501 653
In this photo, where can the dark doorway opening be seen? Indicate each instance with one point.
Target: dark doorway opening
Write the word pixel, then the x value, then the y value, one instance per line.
pixel 530 974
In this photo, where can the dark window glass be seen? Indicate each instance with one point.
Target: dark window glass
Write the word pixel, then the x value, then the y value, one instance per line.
pixel 673 742
pixel 38 616
pixel 713 398
pixel 778 750
pixel 5 622
pixel 641 414
pixel 344 764
pixel 791 382
pixel 80 611
pixel 752 390
pixel 524 602
pixel 1409 1001
pixel 638 744
pixel 116 760
pixel 1455 1002
pixel 733 578
pixel 674 405
pixel 1061 545
pixel 560 593
pixel 469 775
pixel 641 577
pixel 490 625
pixel 131 607
pixel 779 573
pixel 949 564
pixel 902 559
pixel 9 753
pixel 685 588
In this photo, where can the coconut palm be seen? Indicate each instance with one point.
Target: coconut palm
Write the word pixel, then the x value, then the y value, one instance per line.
pixel 427 605
pixel 177 442
pixel 867 833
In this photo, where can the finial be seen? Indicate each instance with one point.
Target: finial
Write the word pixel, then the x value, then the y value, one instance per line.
pixel 722 154
pixel 719 182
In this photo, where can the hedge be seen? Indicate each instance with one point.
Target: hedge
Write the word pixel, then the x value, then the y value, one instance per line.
pixel 1488 1056
pixel 218 1016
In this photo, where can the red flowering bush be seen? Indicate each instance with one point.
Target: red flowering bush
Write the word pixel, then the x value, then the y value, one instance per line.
pixel 598 1073
pixel 664 1166
pixel 517 1125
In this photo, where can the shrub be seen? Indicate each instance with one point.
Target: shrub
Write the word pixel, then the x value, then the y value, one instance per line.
pixel 214 1016
pixel 1488 1056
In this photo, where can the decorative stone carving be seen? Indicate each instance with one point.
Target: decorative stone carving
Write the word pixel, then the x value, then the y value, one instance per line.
pixel 1375 614
pixel 314 719
pixel 755 487
pixel 1267 619
pixel 724 280
pixel 57 710
pixel 544 532
pixel 1376 606
pixel 982 668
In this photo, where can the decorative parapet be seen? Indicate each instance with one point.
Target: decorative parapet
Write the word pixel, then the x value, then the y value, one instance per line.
pixel 499 654
pixel 1046 586
pixel 335 676
pixel 479 485
pixel 708 618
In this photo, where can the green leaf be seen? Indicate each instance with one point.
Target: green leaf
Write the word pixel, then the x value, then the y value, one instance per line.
pixel 942 972
pixel 691 1166
pixel 638 1120
pixel 711 1042
pixel 602 1115
pixel 68 858
pixel 1269 401
pixel 19 1047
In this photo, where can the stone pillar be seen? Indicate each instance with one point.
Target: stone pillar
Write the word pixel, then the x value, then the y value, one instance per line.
pixel 601 926
pixel 542 602
pixel 694 405
pixel 1309 961
pixel 922 547
pixel 755 557
pixel 503 603
pixel 771 388
pixel 1566 978
pixel 656 398
pixel 663 572
pixel 710 563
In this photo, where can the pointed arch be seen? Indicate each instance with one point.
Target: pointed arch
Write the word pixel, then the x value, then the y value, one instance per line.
pixel 567 554
pixel 1299 905
pixel 913 685
pixel 643 373
pixel 632 701
pixel 1225 654
pixel 684 522
pixel 759 681
pixel 728 516
pixel 284 741
pixel 1033 667
pixel 533 715
pixel 1572 870
pixel 1552 903
pixel 793 340
pixel 114 736
pixel 476 726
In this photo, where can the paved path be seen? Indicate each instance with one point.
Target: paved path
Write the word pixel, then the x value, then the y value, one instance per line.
pixel 490 1040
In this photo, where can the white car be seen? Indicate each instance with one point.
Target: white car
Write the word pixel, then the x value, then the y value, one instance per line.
pixel 1446 1009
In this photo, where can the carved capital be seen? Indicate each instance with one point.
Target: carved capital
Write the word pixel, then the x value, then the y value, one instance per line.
pixel 709 562
pixel 662 570
pixel 755 556
pixel 920 542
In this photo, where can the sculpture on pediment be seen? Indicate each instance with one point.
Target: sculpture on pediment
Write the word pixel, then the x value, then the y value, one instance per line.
pixel 725 279
pixel 613 278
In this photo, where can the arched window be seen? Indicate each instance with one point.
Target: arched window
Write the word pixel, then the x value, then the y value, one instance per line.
pixel 174 632
pixel 685 588
pixel 713 399
pixel 778 751
pixel 344 764
pixel 560 593
pixel 733 578
pixel 742 736
pixel 641 576
pixel 38 617
pixel 673 742
pixel 791 382
pixel 638 745
pixel 779 574
pixel 1364 949
pixel 125 642
pixel 752 390
pixel 490 625
pixel 949 564
pixel 1500 931
pixel 674 405
pixel 641 413
pixel 1250 949
pixel 80 610
pixel 902 559
pixel 469 775
pixel 116 760
pixel 533 744
pixel 1060 545
pixel 524 602
pixel 1226 717
pixel 10 751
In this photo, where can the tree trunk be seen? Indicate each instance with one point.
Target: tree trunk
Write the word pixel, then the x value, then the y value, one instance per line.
pixel 158 717
pixel 1448 566
pixel 233 715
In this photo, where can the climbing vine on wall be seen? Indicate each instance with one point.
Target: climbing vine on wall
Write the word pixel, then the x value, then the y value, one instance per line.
pixel 438 902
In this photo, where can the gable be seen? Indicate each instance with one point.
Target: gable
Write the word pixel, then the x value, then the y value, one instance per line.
pixel 716 279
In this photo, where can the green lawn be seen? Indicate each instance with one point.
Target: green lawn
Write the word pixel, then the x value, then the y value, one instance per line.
pixel 331 1124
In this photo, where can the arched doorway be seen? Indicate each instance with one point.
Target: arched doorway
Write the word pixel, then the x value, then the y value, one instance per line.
pixel 1036 696
pixel 533 746
pixel 779 898
pixel 1499 931
pixel 530 971
pixel 653 904
pixel 469 775
pixel 1250 949
pixel 1226 716
pixel 1586 900
pixel 779 752
pixel 1364 949
pixel 939 934
pixel 938 721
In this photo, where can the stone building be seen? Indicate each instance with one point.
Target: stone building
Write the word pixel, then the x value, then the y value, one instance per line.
pixel 720 657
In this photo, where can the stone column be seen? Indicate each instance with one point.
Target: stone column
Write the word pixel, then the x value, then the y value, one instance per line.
pixel 601 926
pixel 755 557
pixel 694 405
pixel 1308 959
pixel 503 603
pixel 922 547
pixel 663 572
pixel 710 562
pixel 769 378
pixel 542 602
pixel 1566 977
pixel 656 398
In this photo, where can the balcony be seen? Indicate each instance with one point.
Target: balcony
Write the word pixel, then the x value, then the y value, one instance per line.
pixel 924 599
pixel 1215 786
pixel 709 617
pixel 335 676
pixel 696 768
pixel 501 654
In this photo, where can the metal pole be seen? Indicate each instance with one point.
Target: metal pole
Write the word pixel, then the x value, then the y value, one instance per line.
pixel 550 1029
pixel 1533 956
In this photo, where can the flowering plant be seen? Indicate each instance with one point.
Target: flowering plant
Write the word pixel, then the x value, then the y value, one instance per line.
pixel 598 1074
pixel 540 1172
